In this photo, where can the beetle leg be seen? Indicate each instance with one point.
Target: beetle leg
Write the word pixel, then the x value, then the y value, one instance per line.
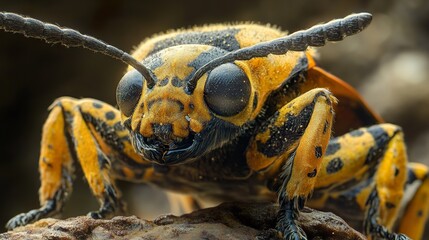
pixel 98 139
pixel 55 165
pixel 384 201
pixel 366 169
pixel 289 147
pixel 103 149
pixel 417 211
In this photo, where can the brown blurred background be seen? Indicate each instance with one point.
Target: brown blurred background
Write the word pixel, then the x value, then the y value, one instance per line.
pixel 388 63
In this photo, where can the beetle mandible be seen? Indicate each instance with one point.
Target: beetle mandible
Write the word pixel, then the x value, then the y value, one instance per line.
pixel 230 112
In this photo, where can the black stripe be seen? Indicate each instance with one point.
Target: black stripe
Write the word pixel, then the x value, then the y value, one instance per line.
pixel 224 39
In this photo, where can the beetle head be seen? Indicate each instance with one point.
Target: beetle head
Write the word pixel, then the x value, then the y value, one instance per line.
pixel 169 125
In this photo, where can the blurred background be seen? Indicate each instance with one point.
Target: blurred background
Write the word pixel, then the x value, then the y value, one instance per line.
pixel 388 63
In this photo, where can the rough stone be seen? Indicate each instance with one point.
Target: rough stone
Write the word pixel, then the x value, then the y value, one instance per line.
pixel 228 221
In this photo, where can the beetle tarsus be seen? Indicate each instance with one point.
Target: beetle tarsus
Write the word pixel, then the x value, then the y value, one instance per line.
pixel 286 220
pixel 25 218
pixel 105 211
pixel 372 227
pixel 111 205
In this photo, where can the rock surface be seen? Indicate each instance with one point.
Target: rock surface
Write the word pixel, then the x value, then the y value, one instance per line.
pixel 228 221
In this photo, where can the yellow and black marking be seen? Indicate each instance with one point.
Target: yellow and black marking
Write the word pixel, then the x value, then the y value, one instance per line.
pixel 231 112
pixel 291 144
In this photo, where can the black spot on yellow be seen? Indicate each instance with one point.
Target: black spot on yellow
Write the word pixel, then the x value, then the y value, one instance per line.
pixel 97 105
pixel 176 82
pixel 396 171
pixel 332 148
pixel 163 82
pixel 191 106
pixel 420 213
pixel 312 174
pixel 390 205
pixel 325 127
pixel 110 115
pixel 318 151
pixel 334 165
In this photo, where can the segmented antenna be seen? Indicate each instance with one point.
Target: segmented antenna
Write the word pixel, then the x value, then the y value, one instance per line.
pixel 33 28
pixel 316 36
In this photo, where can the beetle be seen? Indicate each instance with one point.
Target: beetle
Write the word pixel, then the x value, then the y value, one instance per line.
pixel 230 112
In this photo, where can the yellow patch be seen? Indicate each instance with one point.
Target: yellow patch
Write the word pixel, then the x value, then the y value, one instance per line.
pixel 87 154
pixel 352 147
pixel 52 160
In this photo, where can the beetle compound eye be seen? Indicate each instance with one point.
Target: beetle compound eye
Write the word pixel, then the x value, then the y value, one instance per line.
pixel 227 90
pixel 129 91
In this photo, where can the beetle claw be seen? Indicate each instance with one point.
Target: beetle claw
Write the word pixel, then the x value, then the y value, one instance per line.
pixel 294 232
pixel 107 209
pixel 25 218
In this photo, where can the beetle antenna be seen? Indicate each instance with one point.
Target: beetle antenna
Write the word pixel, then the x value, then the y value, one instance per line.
pixel 33 28
pixel 316 36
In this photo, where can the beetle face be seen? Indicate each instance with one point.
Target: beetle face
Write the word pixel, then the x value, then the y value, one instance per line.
pixel 170 126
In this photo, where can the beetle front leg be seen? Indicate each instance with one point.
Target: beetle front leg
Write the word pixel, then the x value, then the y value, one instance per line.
pixel 55 165
pixel 98 138
pixel 289 148
pixel 90 131
pixel 94 163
